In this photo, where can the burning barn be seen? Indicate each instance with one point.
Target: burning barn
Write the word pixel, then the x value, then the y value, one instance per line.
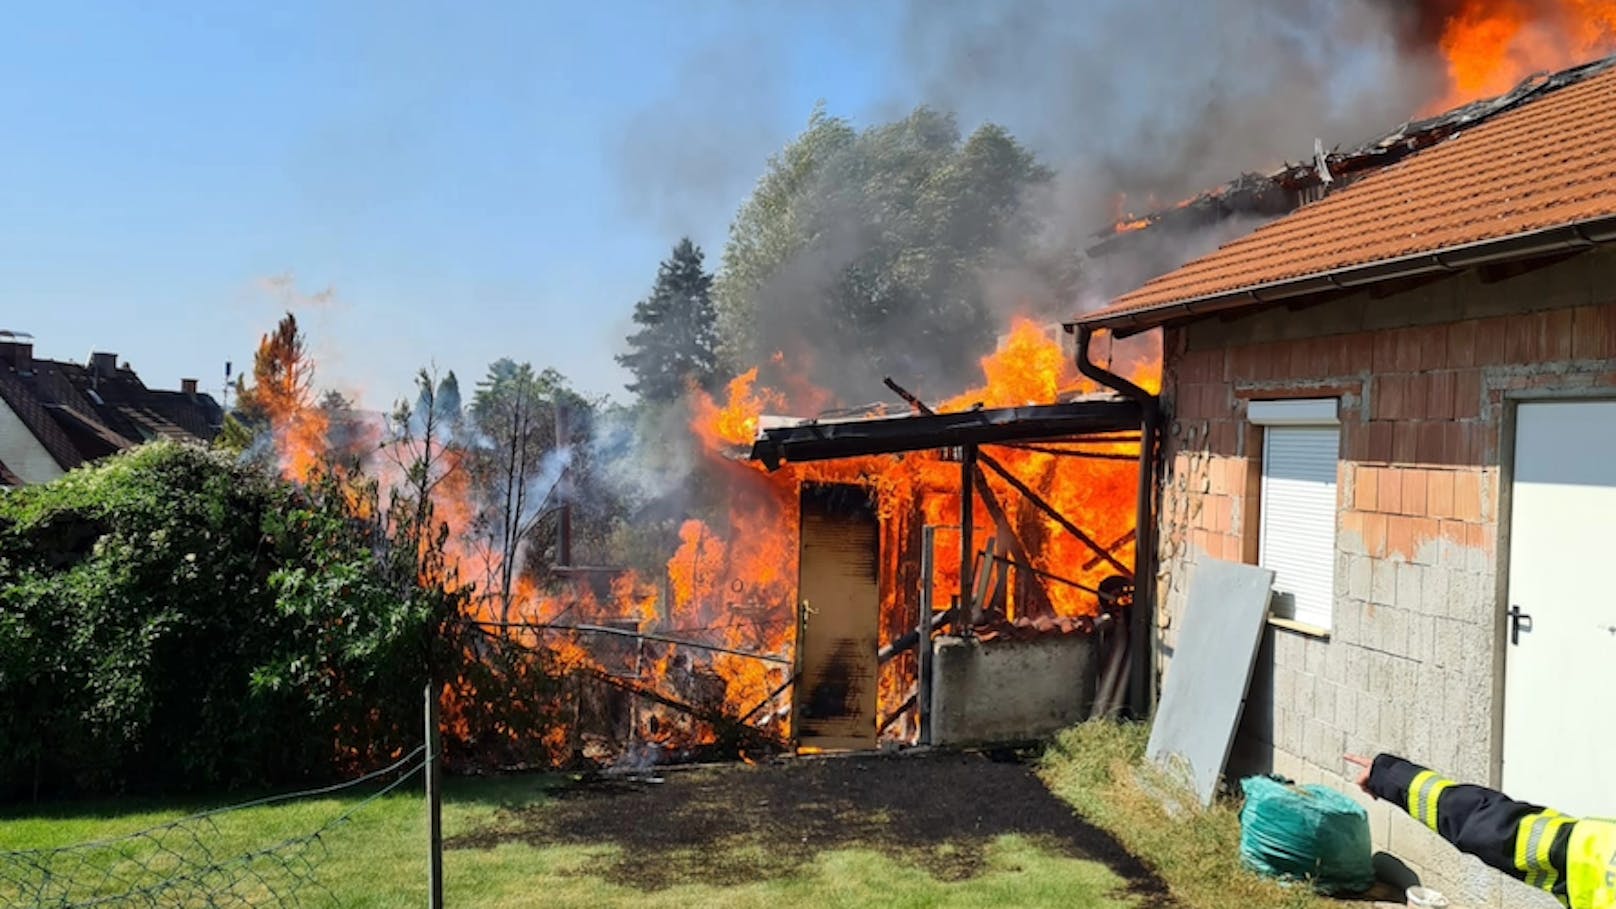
pixel 874 575
pixel 1000 533
pixel 869 591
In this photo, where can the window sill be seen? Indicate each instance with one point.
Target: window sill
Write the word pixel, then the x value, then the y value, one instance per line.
pixel 1302 628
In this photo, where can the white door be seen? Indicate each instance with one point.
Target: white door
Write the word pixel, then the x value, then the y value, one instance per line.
pixel 1560 664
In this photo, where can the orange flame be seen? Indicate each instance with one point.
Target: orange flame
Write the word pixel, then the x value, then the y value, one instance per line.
pixel 1123 218
pixel 749 567
pixel 299 431
pixel 1489 46
pixel 736 422
pixel 731 581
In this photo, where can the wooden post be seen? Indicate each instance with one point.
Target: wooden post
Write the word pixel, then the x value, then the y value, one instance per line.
pixel 434 803
pixel 968 614
pixel 928 541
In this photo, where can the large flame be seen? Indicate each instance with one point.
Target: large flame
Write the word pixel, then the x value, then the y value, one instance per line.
pixel 744 574
pixel 1489 46
pixel 731 581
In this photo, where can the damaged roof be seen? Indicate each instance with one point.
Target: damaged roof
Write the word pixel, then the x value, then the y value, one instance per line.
pixel 1540 158
pixel 823 440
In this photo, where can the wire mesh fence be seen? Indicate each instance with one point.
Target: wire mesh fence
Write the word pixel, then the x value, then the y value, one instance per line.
pixel 191 861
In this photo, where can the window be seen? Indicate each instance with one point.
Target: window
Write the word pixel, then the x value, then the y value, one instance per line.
pixel 1297 510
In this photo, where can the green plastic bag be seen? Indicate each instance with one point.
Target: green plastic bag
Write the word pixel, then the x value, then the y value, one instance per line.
pixel 1311 833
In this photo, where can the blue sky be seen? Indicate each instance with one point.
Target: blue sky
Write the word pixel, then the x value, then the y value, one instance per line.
pixel 478 180
pixel 469 180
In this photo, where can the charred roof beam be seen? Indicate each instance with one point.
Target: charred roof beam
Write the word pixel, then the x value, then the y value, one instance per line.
pixel 822 441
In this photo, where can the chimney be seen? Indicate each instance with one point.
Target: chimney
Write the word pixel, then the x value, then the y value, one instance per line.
pixel 188 386
pixel 103 365
pixel 19 354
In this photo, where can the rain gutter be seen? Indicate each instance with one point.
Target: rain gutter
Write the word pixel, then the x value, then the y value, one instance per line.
pixel 1142 681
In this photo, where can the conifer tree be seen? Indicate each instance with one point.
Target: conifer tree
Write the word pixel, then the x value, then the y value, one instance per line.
pixel 676 345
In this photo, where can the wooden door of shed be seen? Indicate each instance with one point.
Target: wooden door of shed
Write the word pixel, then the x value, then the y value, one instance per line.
pixel 839 611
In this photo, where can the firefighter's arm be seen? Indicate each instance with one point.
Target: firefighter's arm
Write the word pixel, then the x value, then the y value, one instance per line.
pixel 1477 820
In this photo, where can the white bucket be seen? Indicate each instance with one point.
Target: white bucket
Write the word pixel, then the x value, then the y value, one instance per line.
pixel 1426 898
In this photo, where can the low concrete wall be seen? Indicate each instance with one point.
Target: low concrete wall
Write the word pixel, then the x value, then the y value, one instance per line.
pixel 1008 691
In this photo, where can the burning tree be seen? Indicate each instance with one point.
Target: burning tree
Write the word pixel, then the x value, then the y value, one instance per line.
pixel 280 398
pixel 517 464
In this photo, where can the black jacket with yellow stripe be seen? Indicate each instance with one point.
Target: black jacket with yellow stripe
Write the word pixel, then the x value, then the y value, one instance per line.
pixel 1526 841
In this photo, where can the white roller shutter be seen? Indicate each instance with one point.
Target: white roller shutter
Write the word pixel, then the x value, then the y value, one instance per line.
pixel 1298 519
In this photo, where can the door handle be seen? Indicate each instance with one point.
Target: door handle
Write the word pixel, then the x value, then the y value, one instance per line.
pixel 1518 622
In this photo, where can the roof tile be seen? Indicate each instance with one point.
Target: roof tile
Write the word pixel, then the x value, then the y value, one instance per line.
pixel 1546 164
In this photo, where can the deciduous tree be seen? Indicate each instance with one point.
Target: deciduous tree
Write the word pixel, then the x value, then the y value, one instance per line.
pixel 517 464
pixel 863 253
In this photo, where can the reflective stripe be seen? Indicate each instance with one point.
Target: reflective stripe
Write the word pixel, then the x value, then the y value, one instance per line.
pixel 1435 799
pixel 1551 874
pixel 1417 791
pixel 1423 794
pixel 1534 840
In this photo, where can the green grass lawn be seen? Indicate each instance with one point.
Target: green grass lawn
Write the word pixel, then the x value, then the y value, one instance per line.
pixel 377 859
pixel 853 832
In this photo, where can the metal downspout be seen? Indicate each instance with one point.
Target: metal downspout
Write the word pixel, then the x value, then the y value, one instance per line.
pixel 1142 676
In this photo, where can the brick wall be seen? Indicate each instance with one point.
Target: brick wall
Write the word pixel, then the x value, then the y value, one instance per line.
pixel 1413 662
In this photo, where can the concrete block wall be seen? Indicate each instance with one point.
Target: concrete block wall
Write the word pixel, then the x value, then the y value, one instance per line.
pixel 1011 690
pixel 1413 662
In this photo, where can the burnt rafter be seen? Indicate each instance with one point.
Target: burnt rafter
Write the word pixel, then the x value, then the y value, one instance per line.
pixel 1044 506
pixel 829 440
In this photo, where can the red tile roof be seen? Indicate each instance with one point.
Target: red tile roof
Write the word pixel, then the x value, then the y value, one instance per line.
pixel 1548 164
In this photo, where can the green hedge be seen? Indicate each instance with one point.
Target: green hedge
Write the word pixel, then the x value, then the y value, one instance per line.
pixel 172 617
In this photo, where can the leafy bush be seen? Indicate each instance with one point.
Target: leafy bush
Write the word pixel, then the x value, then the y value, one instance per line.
pixel 171 617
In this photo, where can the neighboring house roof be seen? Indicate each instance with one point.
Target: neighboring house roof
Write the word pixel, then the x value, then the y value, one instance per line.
pixel 79 414
pixel 7 478
pixel 32 412
pixel 1538 176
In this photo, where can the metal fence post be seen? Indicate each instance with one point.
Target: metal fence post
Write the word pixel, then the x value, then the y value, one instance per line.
pixel 434 803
